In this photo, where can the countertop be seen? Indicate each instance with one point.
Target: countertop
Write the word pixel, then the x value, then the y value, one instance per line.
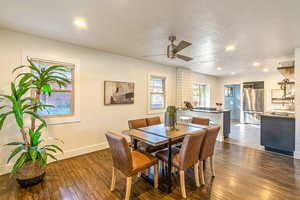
pixel 207 111
pixel 275 115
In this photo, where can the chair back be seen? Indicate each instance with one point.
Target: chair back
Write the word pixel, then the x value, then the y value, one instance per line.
pixel 200 121
pixel 153 121
pixel 208 146
pixel 121 154
pixel 190 149
pixel 137 123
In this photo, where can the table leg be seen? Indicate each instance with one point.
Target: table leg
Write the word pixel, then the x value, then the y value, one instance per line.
pixel 135 144
pixel 169 173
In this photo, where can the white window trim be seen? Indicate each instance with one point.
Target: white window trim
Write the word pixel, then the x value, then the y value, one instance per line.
pixel 208 104
pixel 75 118
pixel 156 111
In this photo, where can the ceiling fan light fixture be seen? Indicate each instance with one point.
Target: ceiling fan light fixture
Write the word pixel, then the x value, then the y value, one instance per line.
pixel 172 49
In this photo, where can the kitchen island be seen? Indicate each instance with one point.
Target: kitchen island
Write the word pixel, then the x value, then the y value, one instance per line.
pixel 216 117
pixel 278 133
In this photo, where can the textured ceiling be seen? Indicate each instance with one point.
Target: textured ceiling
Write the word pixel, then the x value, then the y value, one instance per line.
pixel 264 31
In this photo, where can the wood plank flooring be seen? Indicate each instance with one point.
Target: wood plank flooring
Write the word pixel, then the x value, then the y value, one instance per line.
pixel 241 173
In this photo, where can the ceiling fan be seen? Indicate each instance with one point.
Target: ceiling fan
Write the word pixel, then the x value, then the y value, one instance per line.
pixel 172 50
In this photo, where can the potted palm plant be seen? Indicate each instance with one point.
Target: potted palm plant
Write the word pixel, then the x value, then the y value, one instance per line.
pixel 23 102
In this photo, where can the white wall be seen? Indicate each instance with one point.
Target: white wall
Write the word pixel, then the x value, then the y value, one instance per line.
pixel 270 79
pixel 297 104
pixel 95 67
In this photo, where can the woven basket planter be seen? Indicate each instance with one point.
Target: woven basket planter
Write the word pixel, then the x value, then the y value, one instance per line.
pixel 30 174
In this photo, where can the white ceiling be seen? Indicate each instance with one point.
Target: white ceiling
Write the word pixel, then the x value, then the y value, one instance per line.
pixel 262 30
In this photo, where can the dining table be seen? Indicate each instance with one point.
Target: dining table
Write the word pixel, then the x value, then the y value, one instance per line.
pixel 158 135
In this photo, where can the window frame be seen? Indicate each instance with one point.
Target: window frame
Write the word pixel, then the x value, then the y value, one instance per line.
pixel 164 78
pixel 72 92
pixel 206 95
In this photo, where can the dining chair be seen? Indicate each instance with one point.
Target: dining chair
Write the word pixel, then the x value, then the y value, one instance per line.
pixel 200 121
pixel 142 146
pixel 153 121
pixel 207 150
pixel 186 157
pixel 128 162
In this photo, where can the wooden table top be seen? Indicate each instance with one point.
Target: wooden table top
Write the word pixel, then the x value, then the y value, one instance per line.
pixel 159 134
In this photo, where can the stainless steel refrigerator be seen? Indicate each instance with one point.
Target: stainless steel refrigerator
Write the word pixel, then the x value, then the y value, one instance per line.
pixel 253 101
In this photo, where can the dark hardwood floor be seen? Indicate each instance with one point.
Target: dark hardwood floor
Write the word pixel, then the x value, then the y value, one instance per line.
pixel 241 173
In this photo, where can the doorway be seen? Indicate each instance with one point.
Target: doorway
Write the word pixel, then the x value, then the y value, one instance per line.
pixel 241 133
pixel 232 101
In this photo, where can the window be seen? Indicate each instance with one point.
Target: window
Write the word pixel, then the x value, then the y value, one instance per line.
pixel 157 94
pixel 61 98
pixel 200 95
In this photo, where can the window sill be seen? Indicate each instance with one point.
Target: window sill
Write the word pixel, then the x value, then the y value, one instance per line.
pixel 156 111
pixel 62 120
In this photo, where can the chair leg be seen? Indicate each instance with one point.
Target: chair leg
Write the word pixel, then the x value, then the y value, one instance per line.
pixel 173 170
pixel 182 183
pixel 212 168
pixel 196 173
pixel 113 179
pixel 128 188
pixel 160 164
pixel 147 171
pixel 201 173
pixel 156 176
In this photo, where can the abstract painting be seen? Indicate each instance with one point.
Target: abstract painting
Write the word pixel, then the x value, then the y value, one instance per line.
pixel 116 92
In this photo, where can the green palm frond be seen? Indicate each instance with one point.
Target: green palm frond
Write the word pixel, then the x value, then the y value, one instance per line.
pixel 19 103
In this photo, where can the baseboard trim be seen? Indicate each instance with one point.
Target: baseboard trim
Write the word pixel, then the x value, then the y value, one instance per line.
pixel 5 169
pixel 297 155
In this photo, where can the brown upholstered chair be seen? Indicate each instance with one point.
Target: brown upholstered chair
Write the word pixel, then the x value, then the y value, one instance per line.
pixel 128 162
pixel 142 146
pixel 153 121
pixel 207 150
pixel 200 121
pixel 186 157
pixel 137 123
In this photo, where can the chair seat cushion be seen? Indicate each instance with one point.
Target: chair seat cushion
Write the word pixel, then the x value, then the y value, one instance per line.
pixel 142 161
pixel 144 147
pixel 164 155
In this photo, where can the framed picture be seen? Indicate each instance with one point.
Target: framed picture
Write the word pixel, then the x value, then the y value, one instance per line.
pixel 116 92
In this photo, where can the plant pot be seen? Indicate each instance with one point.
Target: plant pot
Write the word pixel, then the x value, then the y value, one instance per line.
pixel 30 174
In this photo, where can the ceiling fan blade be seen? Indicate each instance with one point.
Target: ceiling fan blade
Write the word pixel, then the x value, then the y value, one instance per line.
pixel 185 58
pixel 182 45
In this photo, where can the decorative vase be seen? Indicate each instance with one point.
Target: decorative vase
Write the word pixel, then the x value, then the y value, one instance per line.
pixel 30 174
pixel 171 117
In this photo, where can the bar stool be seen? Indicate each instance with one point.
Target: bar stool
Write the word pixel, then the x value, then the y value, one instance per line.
pixel 200 121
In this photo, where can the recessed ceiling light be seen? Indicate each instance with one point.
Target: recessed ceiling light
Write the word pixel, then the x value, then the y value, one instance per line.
pixel 233 73
pixel 265 69
pixel 230 48
pixel 80 23
pixel 256 64
pixel 219 68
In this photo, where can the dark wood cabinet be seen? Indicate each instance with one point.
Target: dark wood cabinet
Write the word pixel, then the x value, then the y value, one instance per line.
pixel 278 134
